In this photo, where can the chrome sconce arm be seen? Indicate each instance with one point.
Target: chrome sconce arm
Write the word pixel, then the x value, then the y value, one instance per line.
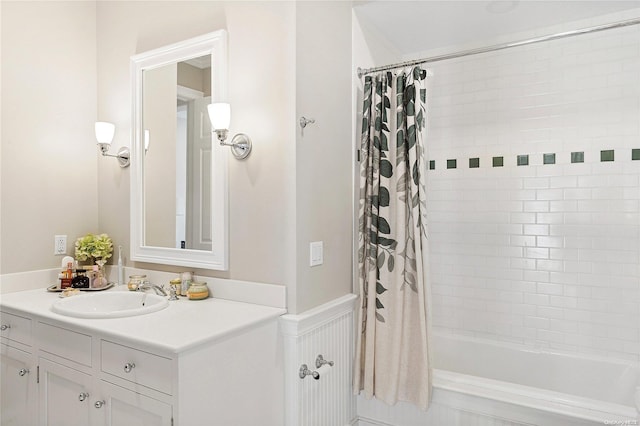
pixel 122 155
pixel 240 144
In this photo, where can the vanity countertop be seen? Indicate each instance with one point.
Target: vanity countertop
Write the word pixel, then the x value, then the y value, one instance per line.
pixel 183 325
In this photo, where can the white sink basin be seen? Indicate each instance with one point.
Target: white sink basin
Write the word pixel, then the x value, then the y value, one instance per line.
pixel 110 304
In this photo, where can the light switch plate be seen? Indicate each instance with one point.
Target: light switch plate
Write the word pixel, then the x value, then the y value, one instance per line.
pixel 316 253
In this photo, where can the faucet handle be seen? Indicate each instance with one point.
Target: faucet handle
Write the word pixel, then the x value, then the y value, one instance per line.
pixel 320 361
pixel 172 293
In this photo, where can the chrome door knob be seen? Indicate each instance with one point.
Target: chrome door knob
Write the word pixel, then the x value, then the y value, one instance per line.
pixel 22 372
pixel 83 396
pixel 128 367
pixel 99 404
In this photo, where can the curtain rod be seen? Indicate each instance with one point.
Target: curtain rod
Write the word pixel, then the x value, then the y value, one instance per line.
pixel 636 21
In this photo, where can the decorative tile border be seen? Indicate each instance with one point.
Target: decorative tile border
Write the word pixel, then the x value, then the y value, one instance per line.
pixel 606 155
pixel 577 157
pixel 549 158
pixel 522 160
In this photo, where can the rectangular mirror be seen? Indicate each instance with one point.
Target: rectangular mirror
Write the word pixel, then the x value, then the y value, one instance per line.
pixel 179 177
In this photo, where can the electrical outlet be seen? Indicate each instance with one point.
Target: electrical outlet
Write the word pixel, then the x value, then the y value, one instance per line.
pixel 60 244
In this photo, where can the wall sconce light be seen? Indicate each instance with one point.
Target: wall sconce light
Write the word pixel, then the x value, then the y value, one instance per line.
pixel 146 140
pixel 104 135
pixel 220 116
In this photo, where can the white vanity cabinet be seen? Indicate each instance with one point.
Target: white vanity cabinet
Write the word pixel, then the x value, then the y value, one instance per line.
pixel 136 386
pixel 72 390
pixel 153 370
pixel 17 371
pixel 64 396
pixel 125 407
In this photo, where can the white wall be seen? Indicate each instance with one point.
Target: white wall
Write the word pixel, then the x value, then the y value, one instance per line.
pixel 281 198
pixel 49 156
pixel 324 153
pixel 291 190
pixel 546 254
pixel 260 73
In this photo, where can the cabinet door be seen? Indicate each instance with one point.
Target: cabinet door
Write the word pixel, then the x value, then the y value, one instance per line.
pixel 17 387
pixel 66 397
pixel 125 407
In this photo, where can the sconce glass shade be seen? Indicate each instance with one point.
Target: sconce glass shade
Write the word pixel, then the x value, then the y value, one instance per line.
pixel 105 132
pixel 104 135
pixel 220 115
pixel 146 140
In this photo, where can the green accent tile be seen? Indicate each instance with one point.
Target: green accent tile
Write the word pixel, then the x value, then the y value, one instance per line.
pixel 474 163
pixel 432 164
pixel 452 164
pixel 523 160
pixel 498 161
pixel 635 154
pixel 607 155
pixel 549 158
pixel 577 157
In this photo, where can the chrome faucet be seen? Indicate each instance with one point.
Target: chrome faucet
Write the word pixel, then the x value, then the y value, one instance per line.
pixel 147 285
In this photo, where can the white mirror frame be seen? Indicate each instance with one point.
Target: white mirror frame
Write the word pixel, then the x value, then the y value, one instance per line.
pixel 214 44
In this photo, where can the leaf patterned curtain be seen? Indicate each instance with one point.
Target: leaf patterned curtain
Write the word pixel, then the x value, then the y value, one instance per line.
pixel 392 352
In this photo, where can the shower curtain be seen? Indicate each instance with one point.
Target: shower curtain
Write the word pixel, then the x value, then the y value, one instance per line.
pixel 392 351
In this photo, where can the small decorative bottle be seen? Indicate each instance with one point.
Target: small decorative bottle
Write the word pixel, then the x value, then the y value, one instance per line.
pixel 136 281
pixel 186 282
pixel 96 281
pixel 198 290
pixel 177 284
pixel 81 280
pixel 66 280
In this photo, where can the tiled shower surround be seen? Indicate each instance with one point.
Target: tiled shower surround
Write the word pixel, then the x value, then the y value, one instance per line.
pixel 545 253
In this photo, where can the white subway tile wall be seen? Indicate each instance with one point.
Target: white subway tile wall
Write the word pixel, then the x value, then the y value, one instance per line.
pixel 545 254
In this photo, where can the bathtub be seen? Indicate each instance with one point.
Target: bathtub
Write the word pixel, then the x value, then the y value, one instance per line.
pixel 483 383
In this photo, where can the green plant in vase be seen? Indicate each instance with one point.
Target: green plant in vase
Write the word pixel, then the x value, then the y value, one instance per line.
pixel 96 248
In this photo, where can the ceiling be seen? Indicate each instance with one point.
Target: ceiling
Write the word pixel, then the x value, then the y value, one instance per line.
pixel 415 26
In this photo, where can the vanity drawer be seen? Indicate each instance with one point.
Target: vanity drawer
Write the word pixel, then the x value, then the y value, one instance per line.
pixel 16 328
pixel 65 343
pixel 136 366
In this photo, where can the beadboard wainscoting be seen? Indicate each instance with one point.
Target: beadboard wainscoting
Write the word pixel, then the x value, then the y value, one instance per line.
pixel 326 330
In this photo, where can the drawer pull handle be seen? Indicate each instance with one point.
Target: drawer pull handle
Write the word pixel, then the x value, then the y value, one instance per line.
pixel 83 396
pixel 4 327
pixel 98 404
pixel 22 372
pixel 128 367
